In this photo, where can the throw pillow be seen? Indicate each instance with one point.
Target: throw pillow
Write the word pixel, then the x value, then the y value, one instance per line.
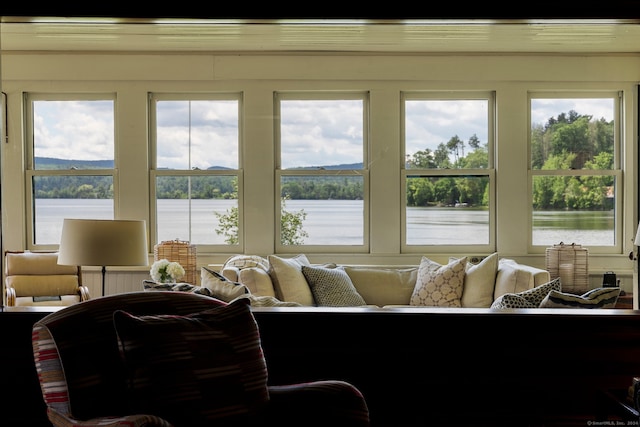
pixel 152 286
pixel 288 281
pixel 257 280
pixel 595 298
pixel 221 287
pixel 202 369
pixel 384 286
pixel 531 298
pixel 332 287
pixel 479 282
pixel 439 285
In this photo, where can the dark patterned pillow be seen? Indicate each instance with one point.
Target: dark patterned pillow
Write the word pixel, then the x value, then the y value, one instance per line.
pixel 332 287
pixel 531 298
pixel 512 301
pixel 595 298
pixel 202 369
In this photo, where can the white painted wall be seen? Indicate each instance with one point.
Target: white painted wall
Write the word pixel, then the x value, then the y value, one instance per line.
pixel 132 76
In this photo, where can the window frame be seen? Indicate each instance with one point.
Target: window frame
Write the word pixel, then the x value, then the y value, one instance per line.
pixel 155 173
pixel 489 172
pixel 31 172
pixel 617 172
pixel 364 96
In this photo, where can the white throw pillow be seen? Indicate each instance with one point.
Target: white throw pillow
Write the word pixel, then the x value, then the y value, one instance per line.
pixel 479 282
pixel 439 285
pixel 288 281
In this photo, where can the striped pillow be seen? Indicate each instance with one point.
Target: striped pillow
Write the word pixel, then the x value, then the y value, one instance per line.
pixel 595 298
pixel 194 369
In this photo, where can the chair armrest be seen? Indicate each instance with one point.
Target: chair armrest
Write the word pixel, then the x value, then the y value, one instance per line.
pixel 136 420
pixel 84 293
pixel 331 403
pixel 11 297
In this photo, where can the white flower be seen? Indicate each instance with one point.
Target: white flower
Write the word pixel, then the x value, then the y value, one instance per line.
pixel 175 270
pixel 164 271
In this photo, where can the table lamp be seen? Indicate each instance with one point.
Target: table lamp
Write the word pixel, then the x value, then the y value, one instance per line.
pixel 102 242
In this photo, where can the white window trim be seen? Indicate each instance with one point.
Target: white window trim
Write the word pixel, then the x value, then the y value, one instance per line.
pixel 31 172
pixel 154 172
pixel 364 172
pixel 490 172
pixel 617 172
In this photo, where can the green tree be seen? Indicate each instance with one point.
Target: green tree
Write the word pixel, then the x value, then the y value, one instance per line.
pixel 291 231
pixel 456 147
pixel 291 223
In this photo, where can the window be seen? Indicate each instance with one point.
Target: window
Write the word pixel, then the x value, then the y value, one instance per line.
pixel 196 179
pixel 321 178
pixel 575 169
pixel 448 174
pixel 70 162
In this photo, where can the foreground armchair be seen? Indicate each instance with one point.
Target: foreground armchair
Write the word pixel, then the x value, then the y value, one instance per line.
pixel 173 359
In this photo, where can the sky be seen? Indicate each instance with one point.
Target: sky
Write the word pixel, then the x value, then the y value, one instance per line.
pixel 315 133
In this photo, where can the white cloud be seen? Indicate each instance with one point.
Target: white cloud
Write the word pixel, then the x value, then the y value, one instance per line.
pixel 79 130
pixel 313 133
pixel 432 122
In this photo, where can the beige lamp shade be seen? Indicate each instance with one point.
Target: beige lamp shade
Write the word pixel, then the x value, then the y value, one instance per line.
pixel 98 242
pixel 637 240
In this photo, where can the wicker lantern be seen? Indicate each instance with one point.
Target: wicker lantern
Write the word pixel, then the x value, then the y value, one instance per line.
pixel 571 264
pixel 181 252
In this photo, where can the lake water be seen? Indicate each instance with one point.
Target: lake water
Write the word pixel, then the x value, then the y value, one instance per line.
pixel 336 222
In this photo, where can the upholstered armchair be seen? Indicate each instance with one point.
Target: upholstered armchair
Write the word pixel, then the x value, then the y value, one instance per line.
pixel 36 279
pixel 173 359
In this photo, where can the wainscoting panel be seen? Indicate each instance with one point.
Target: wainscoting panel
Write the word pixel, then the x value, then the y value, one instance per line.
pixel 116 281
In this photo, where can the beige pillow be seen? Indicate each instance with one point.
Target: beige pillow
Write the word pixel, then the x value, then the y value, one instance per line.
pixel 383 286
pixel 439 285
pixel 288 281
pixel 479 282
pixel 257 280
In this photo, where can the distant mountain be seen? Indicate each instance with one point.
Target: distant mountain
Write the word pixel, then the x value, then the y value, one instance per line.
pixel 54 163
pixel 344 166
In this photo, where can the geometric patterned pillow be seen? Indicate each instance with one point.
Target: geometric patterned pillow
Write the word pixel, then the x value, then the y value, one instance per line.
pixel 439 285
pixel 511 301
pixel 206 368
pixel 595 298
pixel 332 287
pixel 531 298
